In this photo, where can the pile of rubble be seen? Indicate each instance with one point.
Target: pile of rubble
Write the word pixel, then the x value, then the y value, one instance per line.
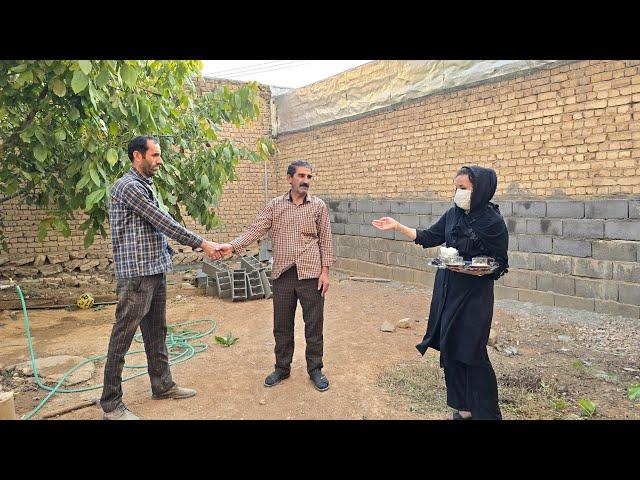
pixel 248 279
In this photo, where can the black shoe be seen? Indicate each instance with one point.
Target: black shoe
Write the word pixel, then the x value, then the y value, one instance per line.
pixel 320 382
pixel 275 378
pixel 457 416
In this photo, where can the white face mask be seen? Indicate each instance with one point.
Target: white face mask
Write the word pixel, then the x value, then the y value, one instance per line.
pixel 463 199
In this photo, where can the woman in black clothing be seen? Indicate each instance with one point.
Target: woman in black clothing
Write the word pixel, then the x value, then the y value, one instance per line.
pixel 462 304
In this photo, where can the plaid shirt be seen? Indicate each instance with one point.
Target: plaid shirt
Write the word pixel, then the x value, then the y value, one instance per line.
pixel 138 229
pixel 301 235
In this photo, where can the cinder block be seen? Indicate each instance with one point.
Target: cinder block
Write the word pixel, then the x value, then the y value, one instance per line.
pixel 367 218
pixel 622 230
pixel 533 296
pixel 438 208
pixel 615 250
pixel 362 254
pixel 417 263
pixel 602 289
pixel 420 208
pixel 565 209
pixel 606 209
pixel 344 251
pixel 520 279
pixel 634 209
pixel 629 293
pixel 337 228
pixel 583 228
pixel 397 259
pixel 381 271
pixel 371 231
pixel 615 308
pixel 405 275
pixel 586 267
pixel 573 248
pixel 529 209
pixel 339 217
pixel 395 246
pixel 350 229
pixel 348 264
pixel 544 226
pixel 364 206
pixel 505 293
pixel 352 240
pixel 564 284
pixel 355 218
pixel 516 225
pixel 626 272
pixel 505 207
pixel 410 221
pixel 522 260
pixel 376 256
pixel 535 243
pixel 346 206
pixel 374 232
pixel 378 244
pixel 577 303
pixel 513 243
pixel 400 206
pixel 548 282
pixel 544 282
pixel 425 221
pixel 381 206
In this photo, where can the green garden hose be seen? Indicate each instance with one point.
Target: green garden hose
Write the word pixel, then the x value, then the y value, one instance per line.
pixel 178 345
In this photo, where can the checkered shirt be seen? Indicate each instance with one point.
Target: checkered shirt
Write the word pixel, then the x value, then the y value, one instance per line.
pixel 139 229
pixel 301 235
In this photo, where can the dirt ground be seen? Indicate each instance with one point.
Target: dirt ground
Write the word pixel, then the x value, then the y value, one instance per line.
pixel 546 359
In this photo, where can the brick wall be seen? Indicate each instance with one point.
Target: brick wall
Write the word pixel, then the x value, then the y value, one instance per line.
pixel 240 201
pixel 570 130
pixel 565 142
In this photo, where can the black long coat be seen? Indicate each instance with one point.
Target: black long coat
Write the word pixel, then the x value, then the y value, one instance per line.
pixel 462 305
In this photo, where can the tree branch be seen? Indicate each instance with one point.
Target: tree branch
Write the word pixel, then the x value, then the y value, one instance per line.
pixel 32 114
pixel 14 195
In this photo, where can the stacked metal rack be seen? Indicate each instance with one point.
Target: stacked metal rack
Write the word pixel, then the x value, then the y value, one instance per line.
pixel 252 280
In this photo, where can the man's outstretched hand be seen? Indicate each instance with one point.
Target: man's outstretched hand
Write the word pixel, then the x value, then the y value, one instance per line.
pixel 225 249
pixel 211 249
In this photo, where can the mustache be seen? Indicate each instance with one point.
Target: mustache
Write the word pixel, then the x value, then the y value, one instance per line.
pixel 304 185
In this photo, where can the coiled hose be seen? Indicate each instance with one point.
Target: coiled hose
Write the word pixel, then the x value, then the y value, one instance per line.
pixel 178 345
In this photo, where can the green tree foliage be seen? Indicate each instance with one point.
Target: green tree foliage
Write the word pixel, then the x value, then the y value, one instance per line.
pixel 65 126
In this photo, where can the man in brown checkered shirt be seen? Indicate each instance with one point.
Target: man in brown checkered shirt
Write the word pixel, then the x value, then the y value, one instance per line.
pixel 302 255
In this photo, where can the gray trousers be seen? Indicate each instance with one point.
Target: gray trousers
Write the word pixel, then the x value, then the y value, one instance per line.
pixel 287 290
pixel 142 301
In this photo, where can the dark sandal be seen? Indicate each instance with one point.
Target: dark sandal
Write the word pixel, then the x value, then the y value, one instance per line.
pixel 320 382
pixel 457 416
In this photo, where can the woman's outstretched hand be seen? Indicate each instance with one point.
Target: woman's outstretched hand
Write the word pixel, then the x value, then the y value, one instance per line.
pixel 385 223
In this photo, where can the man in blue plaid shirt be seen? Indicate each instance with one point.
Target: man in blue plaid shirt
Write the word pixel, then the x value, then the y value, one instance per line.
pixel 142 258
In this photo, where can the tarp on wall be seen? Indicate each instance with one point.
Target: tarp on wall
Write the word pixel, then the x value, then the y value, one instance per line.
pixel 380 84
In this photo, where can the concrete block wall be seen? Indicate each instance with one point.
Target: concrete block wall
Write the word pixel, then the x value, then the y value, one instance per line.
pixel 576 254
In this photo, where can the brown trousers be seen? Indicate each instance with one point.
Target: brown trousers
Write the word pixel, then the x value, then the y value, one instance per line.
pixel 287 290
pixel 142 301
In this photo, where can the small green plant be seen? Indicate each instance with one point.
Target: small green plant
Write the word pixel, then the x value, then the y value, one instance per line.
pixel 634 392
pixel 227 340
pixel 559 404
pixel 587 406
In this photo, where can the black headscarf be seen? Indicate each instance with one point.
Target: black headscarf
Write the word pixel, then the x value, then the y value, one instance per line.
pixel 484 217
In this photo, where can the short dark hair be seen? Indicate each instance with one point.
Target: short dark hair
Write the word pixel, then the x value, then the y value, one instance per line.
pixel 139 144
pixel 293 166
pixel 465 171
